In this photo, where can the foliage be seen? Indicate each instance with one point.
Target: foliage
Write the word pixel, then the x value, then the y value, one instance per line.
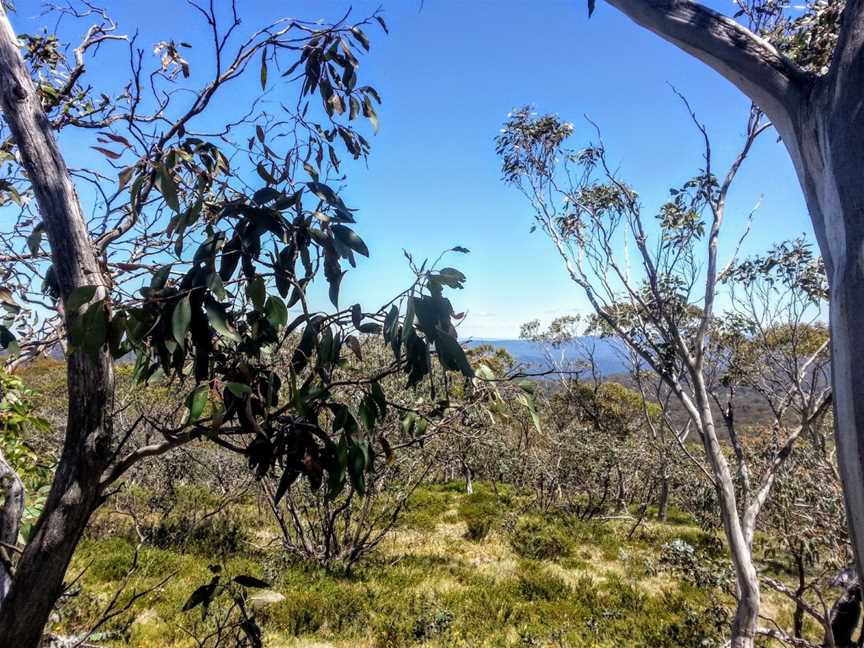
pixel 17 415
pixel 539 539
pixel 480 510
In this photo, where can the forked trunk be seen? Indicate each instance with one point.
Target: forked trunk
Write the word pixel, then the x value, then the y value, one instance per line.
pixel 74 492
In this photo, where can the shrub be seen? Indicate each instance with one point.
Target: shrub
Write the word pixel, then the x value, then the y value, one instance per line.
pixel 432 622
pixel 682 558
pixel 479 511
pixel 539 584
pixel 425 507
pixel 216 536
pixel 539 539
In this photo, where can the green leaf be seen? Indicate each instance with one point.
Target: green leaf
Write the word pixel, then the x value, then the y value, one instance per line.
pixel 116 331
pixel 160 277
pixel 256 290
pixel 407 425
pixel 265 195
pixel 94 327
pixel 8 341
pixel 289 476
pixel 276 312
pixel 592 4
pixel 370 328
pixel 238 389
pixel 452 355
pixel 196 401
pixel 124 177
pixel 167 187
pixel 214 283
pixel 380 398
pixel 180 319
pixel 348 237
pixel 357 467
pixel 263 68
pixel 79 296
pixel 219 321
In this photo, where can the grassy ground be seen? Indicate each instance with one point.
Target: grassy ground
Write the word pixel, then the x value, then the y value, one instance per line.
pixel 459 571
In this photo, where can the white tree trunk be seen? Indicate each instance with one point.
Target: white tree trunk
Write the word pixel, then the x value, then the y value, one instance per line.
pixel 745 622
pixel 821 122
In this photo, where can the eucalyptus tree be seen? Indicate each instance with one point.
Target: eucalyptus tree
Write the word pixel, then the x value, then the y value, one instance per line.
pixel 189 246
pixel 804 67
pixel 658 296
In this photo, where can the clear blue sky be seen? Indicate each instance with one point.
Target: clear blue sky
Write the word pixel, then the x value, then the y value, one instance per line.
pixel 448 76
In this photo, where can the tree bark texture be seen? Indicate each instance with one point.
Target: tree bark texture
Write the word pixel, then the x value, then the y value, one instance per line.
pixel 75 490
pixel 820 119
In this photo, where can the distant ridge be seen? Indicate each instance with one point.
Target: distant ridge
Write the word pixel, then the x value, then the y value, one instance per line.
pixel 608 353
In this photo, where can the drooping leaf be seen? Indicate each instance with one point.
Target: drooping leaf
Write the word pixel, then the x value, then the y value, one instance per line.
pixel 180 319
pixel 276 312
pixel 167 187
pixel 452 355
pixel 350 239
pixel 107 152
pixel 196 401
pixel 219 320
pixel 256 291
pixel 35 239
pixel 94 327
pixel 238 389
pixel 354 344
pixel 78 297
pixel 202 595
pixel 250 581
pixel 160 277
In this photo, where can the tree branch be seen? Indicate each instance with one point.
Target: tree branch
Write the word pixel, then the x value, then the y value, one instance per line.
pixel 753 65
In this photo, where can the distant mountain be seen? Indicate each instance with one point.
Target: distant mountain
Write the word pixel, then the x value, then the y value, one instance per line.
pixel 608 356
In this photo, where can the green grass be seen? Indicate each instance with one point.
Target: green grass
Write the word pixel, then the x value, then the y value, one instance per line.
pixel 527 580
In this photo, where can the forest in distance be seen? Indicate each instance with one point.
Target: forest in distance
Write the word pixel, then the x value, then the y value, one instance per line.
pixel 227 420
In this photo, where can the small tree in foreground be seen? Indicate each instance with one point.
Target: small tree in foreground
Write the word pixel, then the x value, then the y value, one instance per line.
pixel 195 251
pixel 663 305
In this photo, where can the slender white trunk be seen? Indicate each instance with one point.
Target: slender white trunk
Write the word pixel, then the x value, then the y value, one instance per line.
pixel 745 622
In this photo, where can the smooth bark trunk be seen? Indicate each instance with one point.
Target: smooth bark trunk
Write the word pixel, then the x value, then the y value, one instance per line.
pixel 746 619
pixel 75 490
pixel 821 121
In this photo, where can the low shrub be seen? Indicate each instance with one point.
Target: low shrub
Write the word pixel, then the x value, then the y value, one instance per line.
pixel 217 536
pixel 538 584
pixel 479 511
pixel 539 539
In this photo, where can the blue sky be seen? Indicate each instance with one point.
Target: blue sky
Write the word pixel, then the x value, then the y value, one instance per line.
pixel 448 75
